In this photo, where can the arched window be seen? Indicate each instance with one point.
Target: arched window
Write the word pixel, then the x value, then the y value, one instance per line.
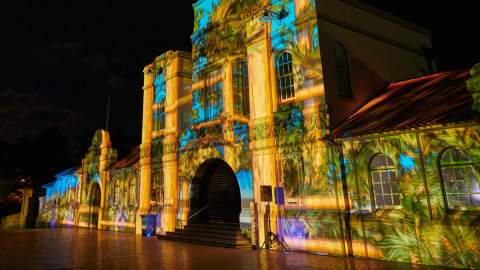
pixel 343 71
pixel 117 192
pixel 384 181
pixel 132 192
pixel 285 82
pixel 459 179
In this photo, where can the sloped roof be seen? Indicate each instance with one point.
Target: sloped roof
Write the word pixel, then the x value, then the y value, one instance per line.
pixel 67 172
pixel 433 99
pixel 129 161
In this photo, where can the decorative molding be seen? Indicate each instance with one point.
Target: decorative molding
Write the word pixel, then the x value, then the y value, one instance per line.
pixel 473 85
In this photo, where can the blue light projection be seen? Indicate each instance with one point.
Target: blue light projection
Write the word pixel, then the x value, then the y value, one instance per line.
pixel 315 38
pixel 220 149
pixel 207 104
pixel 407 162
pixel 199 64
pixel 188 135
pixel 159 86
pixel 63 181
pixel 241 132
pixel 203 10
pixel 283 31
pixel 197 110
pixel 245 181
pixel 95 177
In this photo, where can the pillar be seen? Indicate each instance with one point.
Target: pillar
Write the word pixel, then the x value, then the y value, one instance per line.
pixel 262 106
pixel 105 149
pixel 145 164
pixel 173 83
pixel 228 111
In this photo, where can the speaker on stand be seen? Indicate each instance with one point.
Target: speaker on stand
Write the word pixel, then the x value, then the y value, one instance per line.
pixel 271 239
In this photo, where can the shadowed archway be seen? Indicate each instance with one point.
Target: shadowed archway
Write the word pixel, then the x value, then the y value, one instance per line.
pixel 94 205
pixel 215 189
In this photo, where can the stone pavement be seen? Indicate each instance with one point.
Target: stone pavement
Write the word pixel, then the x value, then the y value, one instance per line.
pixel 91 249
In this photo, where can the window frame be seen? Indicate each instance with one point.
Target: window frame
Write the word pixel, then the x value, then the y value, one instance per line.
pixel 282 77
pixel 344 81
pixel 159 122
pixel 375 205
pixel 156 189
pixel 116 191
pixel 132 201
pixel 240 87
pixel 440 168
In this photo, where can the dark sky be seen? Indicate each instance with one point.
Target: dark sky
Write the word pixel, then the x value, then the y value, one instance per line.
pixel 60 59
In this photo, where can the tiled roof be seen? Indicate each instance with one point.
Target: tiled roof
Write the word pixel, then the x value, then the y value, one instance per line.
pixel 129 161
pixel 433 99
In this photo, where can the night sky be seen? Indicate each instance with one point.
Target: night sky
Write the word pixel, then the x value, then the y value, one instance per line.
pixel 61 59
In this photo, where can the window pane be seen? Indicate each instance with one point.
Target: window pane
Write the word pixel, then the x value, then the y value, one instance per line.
pixel 459 179
pixel 285 76
pixel 384 180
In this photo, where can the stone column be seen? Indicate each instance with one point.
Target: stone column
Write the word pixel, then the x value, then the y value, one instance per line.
pixel 145 164
pixel 105 149
pixel 80 174
pixel 227 125
pixel 169 156
pixel 262 106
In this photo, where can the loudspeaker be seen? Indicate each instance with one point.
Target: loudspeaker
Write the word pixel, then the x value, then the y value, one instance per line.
pixel 266 193
pixel 279 195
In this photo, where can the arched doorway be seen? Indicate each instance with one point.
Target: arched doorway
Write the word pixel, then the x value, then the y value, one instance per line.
pixel 215 189
pixel 94 205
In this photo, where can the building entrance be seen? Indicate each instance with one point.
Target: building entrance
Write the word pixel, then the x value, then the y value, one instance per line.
pixel 215 193
pixel 94 205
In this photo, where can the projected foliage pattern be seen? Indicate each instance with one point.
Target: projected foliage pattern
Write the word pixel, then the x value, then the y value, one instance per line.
pixel 420 229
pixel 397 208
pixel 60 205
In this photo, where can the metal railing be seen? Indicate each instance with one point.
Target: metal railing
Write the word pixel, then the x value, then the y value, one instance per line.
pixel 191 216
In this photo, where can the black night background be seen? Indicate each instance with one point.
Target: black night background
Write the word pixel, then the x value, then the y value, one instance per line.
pixel 60 60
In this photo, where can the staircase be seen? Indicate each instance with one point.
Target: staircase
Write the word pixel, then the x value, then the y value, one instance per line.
pixel 211 233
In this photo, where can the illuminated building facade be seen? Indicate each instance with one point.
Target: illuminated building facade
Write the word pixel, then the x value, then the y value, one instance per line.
pixel 290 97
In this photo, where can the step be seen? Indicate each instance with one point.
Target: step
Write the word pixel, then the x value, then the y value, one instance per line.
pixel 209 238
pixel 206 241
pixel 232 237
pixel 211 231
pixel 218 226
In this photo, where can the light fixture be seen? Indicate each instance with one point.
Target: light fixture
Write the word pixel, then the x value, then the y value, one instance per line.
pixel 270 15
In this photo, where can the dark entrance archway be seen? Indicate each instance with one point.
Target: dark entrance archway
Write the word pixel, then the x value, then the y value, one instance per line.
pixel 94 205
pixel 215 188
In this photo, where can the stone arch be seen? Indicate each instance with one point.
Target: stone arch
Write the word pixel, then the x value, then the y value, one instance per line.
pixel 215 189
pixel 93 201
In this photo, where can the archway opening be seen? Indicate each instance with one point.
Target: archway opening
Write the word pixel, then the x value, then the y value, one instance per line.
pixel 94 204
pixel 215 193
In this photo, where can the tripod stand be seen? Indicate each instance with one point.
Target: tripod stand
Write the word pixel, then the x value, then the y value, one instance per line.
pixel 272 240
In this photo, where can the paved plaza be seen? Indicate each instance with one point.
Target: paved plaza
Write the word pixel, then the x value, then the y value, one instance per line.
pixel 92 249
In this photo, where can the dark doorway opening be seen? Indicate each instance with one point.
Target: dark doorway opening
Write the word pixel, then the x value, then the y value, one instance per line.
pixel 94 203
pixel 215 191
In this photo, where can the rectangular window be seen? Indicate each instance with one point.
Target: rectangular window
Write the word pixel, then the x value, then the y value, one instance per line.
pixel 212 101
pixel 159 117
pixel 157 186
pixel 117 192
pixel 240 88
